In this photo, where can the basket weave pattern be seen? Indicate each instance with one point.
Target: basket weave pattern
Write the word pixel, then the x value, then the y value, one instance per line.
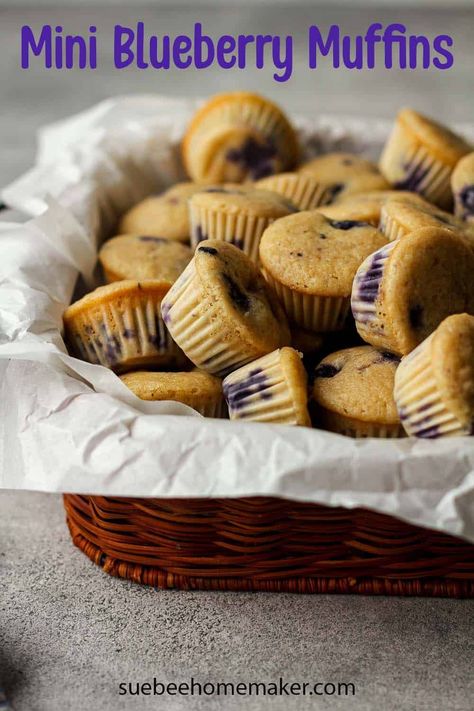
pixel 267 544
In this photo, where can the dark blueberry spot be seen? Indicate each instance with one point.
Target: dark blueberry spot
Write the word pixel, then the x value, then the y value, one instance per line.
pixel 347 224
pixel 467 199
pixel 129 333
pixel 415 176
pixel 428 432
pixel 88 329
pixel 368 283
pixel 165 312
pixel 147 238
pixel 208 250
pixel 237 242
pixel 113 348
pixel 299 254
pixel 154 339
pixel 256 158
pixel 224 191
pixel 237 296
pixel 236 393
pixel 386 356
pixel 326 370
pixel 402 413
pixel 334 191
pixel 347 161
pixel 322 236
pixel 415 316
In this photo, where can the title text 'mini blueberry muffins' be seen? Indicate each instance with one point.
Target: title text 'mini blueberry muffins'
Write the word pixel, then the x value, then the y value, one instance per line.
pixel 221 312
pixel 344 174
pixel 164 215
pixel 352 393
pixel 434 385
pixel 462 185
pixel 237 137
pixel 403 291
pixel 270 389
pixel 143 257
pixel 310 263
pixel 420 156
pixel 201 391
pixel 120 326
pixel 237 214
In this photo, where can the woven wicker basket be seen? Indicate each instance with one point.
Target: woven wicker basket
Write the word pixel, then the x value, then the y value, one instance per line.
pixel 267 544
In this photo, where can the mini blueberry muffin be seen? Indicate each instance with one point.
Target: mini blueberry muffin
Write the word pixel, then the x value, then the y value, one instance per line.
pixel 236 137
pixel 270 389
pixel 462 185
pixel 303 191
pixel 120 326
pixel 164 215
pixel 201 391
pixel 238 214
pixel 366 207
pixel 221 312
pixel 345 174
pixel 434 385
pixel 420 155
pixel 403 291
pixel 352 393
pixel 398 219
pixel 143 257
pixel 310 262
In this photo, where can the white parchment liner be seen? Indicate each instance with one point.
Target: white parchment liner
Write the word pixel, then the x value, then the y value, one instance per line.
pixel 71 426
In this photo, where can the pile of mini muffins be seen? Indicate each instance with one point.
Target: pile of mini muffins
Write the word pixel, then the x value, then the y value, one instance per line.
pixel 334 293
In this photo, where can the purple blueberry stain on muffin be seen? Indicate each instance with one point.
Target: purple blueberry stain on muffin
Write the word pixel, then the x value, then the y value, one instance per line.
pixel 224 191
pixel 334 191
pixel 150 238
pixel 347 224
pixel 113 348
pixel 368 282
pixel 129 333
pixel 466 198
pixel 387 357
pixel 239 243
pixel 165 311
pixel 427 432
pixel 236 394
pixel 258 159
pixel 236 295
pixel 208 250
pixel 415 176
pixel 326 370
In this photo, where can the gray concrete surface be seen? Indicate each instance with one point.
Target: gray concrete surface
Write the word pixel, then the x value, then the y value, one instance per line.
pixel 68 633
